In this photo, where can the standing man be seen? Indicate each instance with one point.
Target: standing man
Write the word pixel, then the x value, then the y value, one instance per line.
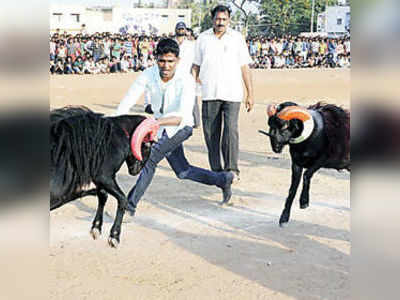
pixel 222 64
pixel 171 96
pixel 186 50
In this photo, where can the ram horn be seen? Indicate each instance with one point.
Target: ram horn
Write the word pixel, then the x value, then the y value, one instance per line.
pixel 144 133
pixel 302 114
pixel 294 112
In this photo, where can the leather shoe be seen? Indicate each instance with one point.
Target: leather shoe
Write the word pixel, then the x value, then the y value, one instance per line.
pixel 226 190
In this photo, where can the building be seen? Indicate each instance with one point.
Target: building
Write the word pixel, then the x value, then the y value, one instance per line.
pixel 116 19
pixel 335 20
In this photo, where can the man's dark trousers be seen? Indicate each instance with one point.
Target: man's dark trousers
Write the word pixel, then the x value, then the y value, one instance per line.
pixel 215 112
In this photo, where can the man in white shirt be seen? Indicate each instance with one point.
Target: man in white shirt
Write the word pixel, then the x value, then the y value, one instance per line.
pixel 171 96
pixel 186 50
pixel 222 64
pixel 186 57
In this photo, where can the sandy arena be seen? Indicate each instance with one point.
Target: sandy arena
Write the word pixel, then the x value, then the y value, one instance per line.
pixel 183 244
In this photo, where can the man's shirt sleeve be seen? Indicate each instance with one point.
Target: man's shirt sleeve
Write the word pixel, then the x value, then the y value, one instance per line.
pixel 133 94
pixel 197 53
pixel 244 57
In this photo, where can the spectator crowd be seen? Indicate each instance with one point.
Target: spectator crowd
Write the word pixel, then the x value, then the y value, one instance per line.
pixel 115 53
pixel 293 52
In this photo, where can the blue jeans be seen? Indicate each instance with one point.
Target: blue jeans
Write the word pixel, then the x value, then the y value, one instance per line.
pixel 172 149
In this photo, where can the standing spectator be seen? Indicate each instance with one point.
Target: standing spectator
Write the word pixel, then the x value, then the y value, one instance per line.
pixel 340 48
pixel 222 64
pixel 107 47
pixel 53 47
pixel 315 46
pixel 347 46
pixel 323 47
pixel 253 48
pixel 332 48
pixel 144 48
pixel 71 51
pixel 186 53
pixel 97 51
pixel 128 45
pixel 77 45
pixel 116 49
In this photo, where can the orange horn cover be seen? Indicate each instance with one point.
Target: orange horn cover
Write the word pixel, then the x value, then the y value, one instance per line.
pixel 145 132
pixel 294 112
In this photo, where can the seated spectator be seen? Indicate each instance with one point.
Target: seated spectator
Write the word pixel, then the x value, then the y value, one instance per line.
pixel 78 65
pixel 52 67
pixel 59 67
pixel 68 69
pixel 279 62
pixel 115 65
pixel 102 66
pixel 267 63
pixel 290 61
pixel 124 64
pixel 150 61
pixel 90 66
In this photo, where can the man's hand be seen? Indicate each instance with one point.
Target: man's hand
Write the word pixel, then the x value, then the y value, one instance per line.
pixel 148 109
pixel 249 103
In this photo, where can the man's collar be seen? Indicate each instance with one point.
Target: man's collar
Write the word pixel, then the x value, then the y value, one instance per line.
pixel 211 31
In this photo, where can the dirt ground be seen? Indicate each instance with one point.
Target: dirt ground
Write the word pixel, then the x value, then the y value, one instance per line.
pixel 183 245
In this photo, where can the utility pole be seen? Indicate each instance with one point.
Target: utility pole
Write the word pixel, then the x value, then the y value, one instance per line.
pixel 312 16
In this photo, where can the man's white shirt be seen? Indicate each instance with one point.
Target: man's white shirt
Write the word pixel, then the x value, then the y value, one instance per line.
pixel 175 96
pixel 186 54
pixel 220 62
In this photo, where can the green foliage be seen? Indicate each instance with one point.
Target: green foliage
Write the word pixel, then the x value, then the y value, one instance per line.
pixel 201 13
pixel 290 16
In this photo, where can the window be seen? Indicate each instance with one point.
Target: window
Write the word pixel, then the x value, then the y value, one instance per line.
pixel 75 17
pixel 57 17
pixel 339 21
pixel 181 18
pixel 164 19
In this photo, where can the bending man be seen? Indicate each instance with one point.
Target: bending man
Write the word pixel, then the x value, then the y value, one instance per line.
pixel 172 97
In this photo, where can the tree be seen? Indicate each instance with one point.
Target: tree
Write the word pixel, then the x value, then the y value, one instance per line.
pixel 245 11
pixel 290 16
pixel 201 13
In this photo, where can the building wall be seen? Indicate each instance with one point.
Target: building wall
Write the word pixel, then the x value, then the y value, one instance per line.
pixel 158 20
pixel 336 19
pixel 66 17
pixel 117 19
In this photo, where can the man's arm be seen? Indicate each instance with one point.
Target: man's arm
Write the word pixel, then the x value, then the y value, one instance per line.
pixel 248 82
pixel 133 95
pixel 195 72
pixel 169 121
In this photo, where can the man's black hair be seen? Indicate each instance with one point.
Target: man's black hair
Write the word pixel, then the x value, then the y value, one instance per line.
pixel 221 8
pixel 166 46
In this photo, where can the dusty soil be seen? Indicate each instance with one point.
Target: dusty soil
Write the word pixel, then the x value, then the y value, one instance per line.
pixel 183 245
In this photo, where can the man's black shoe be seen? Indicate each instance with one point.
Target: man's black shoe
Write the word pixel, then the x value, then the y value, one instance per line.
pixel 128 216
pixel 226 190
